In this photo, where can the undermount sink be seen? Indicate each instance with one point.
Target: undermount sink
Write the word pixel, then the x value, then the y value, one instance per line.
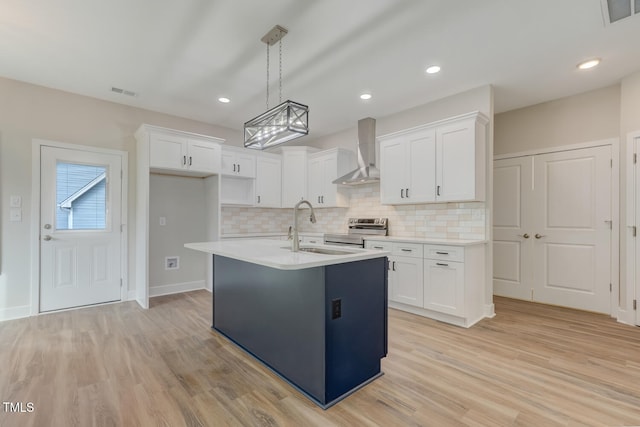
pixel 325 251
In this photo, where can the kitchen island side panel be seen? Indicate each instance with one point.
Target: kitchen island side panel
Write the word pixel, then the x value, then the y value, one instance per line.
pixel 357 340
pixel 277 315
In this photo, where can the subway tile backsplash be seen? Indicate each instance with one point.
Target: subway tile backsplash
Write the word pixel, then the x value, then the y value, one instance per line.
pixel 437 220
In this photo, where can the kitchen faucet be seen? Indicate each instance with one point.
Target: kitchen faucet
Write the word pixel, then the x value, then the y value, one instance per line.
pixel 295 244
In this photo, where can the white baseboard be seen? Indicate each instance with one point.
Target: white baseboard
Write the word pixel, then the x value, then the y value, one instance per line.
pixel 489 311
pixel 156 291
pixel 15 312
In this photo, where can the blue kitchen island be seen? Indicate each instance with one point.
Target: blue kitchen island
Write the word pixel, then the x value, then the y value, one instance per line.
pixel 317 320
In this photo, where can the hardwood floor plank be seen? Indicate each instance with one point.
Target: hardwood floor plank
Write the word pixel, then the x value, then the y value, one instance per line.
pixel 119 365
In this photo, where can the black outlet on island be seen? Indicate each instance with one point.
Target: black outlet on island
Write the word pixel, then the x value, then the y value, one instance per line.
pixel 336 309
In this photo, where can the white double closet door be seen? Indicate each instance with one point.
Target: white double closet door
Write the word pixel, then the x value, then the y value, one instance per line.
pixel 552 228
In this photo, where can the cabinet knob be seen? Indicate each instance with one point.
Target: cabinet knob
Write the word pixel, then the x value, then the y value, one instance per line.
pixel 525 235
pixel 539 236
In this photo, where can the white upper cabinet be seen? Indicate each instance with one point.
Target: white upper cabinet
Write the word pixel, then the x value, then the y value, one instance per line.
pixel 238 162
pixel 268 180
pixel 324 167
pixel 181 153
pixel 407 165
pixel 437 162
pixel 294 174
pixel 460 161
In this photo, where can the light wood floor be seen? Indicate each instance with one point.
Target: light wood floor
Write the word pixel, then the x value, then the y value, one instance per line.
pixel 118 365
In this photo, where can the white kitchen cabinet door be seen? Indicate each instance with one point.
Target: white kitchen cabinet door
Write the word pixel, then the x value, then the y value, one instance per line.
pixel 444 286
pixel 394 173
pixel 237 162
pixel 294 175
pixel 324 168
pixel 167 151
pixel 203 156
pixel 406 280
pixel 268 181
pixel 422 166
pixel 456 162
pixel 315 180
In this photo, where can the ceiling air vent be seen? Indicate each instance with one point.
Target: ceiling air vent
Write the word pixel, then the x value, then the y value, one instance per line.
pixel 615 10
pixel 123 91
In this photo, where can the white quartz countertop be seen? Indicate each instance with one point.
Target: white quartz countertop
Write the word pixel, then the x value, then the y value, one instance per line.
pixel 278 254
pixel 425 240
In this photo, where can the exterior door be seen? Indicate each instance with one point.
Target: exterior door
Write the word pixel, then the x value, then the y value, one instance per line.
pixel 552 228
pixel 512 187
pixel 572 229
pixel 80 228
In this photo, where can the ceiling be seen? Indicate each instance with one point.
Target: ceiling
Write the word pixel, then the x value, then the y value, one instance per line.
pixel 181 56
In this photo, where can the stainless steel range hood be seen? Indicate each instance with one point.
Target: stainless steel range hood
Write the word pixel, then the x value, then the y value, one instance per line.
pixel 366 172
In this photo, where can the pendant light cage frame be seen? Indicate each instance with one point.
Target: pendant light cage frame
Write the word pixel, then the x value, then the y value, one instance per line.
pixel 287 121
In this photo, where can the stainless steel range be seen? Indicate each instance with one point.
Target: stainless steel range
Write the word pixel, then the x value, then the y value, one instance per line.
pixel 359 229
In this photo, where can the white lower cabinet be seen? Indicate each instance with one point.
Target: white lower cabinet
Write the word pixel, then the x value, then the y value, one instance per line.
pixel 444 286
pixel 443 282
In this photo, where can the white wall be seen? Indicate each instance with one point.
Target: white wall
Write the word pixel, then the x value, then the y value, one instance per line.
pixel 590 116
pixel 181 202
pixel 28 111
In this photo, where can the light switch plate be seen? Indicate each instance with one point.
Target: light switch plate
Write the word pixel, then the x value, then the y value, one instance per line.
pixel 15 215
pixel 15 201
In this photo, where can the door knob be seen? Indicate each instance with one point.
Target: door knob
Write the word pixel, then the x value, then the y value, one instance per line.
pixel 47 238
pixel 525 235
pixel 47 226
pixel 539 236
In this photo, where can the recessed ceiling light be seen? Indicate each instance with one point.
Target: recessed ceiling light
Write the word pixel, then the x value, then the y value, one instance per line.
pixel 365 96
pixel 588 64
pixel 224 100
pixel 433 69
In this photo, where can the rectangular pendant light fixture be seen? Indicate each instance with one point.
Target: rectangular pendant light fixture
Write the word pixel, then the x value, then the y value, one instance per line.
pixel 280 124
pixel 287 121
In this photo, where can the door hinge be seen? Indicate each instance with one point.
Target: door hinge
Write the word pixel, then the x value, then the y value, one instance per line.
pixel 611 163
pixel 634 305
pixel 633 230
pixel 610 287
pixel 635 158
pixel 120 282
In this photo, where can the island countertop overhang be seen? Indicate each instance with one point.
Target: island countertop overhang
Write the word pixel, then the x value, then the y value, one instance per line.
pixel 277 253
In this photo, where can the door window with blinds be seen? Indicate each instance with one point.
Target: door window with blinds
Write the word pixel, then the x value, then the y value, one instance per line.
pixel 81 196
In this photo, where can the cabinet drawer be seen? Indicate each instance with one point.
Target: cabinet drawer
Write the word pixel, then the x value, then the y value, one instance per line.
pixel 413 250
pixel 376 244
pixel 446 253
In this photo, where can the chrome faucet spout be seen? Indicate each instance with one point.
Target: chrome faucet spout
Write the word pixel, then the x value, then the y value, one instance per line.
pixel 295 244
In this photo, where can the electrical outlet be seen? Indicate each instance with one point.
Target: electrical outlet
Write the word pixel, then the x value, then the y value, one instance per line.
pixel 336 309
pixel 15 215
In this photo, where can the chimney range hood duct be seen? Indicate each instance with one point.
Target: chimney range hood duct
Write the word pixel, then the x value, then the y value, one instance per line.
pixel 366 172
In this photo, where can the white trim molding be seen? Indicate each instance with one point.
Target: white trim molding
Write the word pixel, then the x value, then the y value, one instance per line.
pixel 12 313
